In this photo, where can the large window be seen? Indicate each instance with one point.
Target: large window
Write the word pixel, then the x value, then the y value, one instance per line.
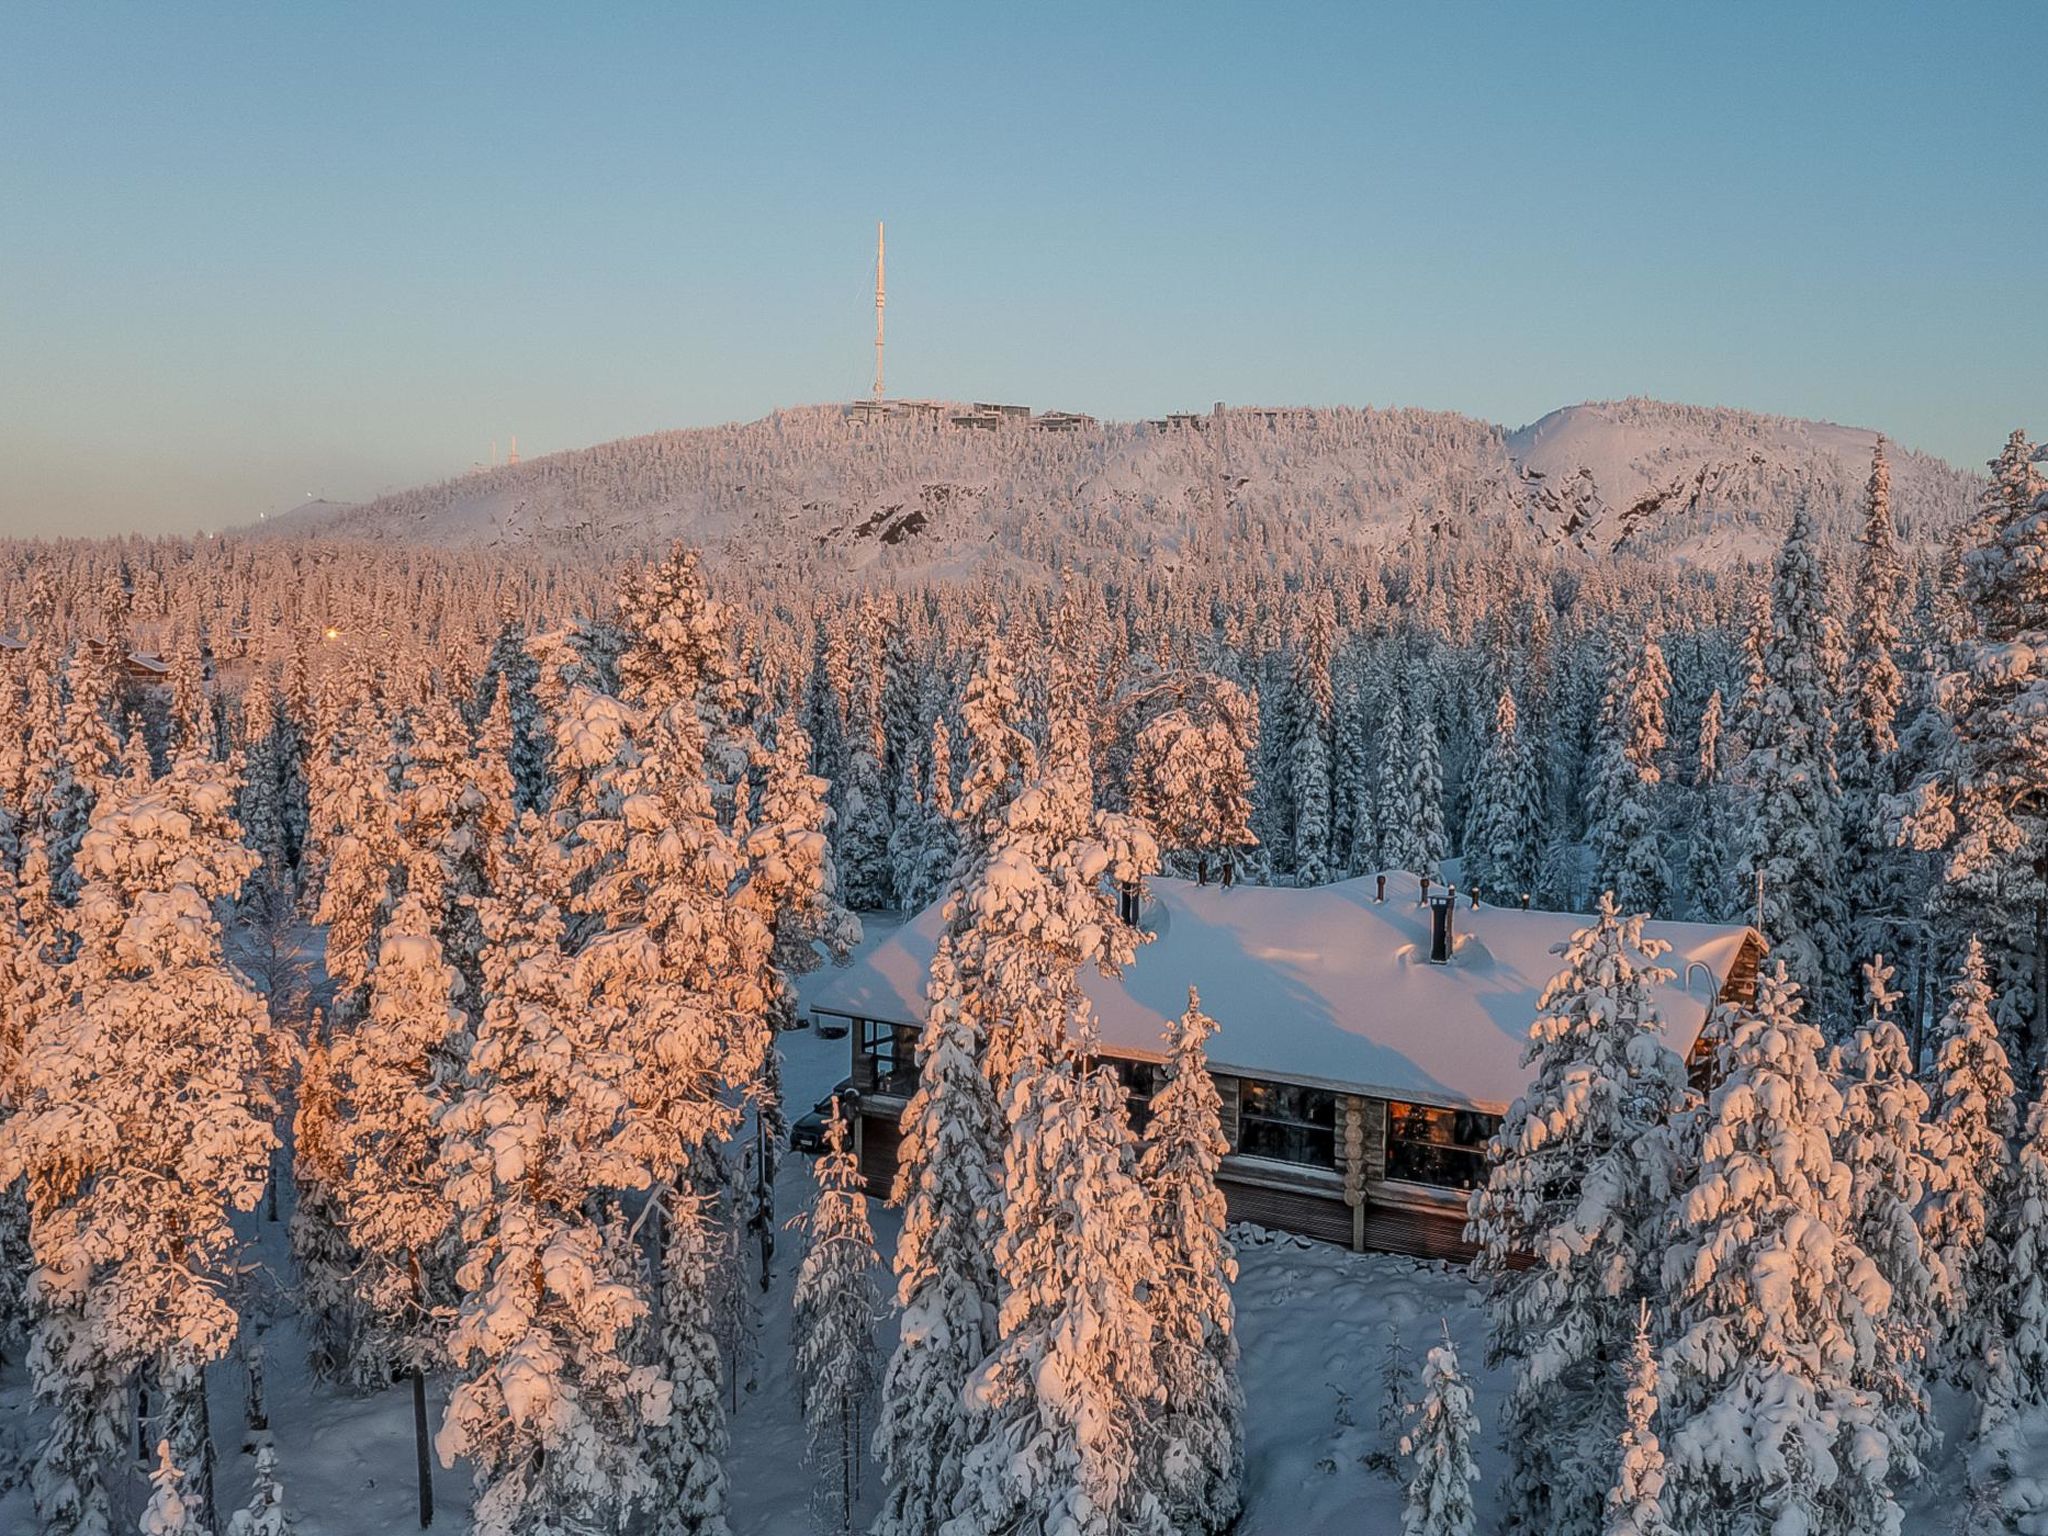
pixel 1444 1147
pixel 1287 1123
pixel 1140 1080
pixel 885 1061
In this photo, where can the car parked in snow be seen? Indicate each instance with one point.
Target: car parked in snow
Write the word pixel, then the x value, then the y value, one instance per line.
pixel 808 1133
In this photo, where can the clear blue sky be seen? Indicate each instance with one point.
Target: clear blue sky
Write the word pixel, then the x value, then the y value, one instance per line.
pixel 251 251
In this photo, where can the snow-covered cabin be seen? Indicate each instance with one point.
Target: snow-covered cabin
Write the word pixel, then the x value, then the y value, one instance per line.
pixel 1360 1077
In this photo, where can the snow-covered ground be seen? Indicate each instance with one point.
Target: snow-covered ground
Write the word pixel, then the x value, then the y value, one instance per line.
pixel 1315 1323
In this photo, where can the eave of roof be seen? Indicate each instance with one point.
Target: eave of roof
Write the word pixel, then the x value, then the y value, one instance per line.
pixel 1328 987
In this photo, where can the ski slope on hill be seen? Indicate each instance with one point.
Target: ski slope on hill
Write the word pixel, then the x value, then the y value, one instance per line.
pixel 811 488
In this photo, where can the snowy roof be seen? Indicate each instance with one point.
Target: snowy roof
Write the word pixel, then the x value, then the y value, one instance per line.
pixel 1323 985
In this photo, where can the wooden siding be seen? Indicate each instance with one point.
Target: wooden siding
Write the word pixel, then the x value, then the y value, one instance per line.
pixel 880 1138
pixel 1426 1234
pixel 1375 1140
pixel 1740 987
pixel 1322 1216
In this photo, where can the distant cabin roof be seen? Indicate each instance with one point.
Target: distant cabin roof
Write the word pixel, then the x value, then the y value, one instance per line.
pixel 1323 985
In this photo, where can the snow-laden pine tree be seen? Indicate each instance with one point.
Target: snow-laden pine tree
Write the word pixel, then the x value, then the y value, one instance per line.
pixel 1712 848
pixel 265 1513
pixel 948 1185
pixel 2012 1293
pixel 549 1405
pixel 1795 840
pixel 1578 1180
pixel 833 1335
pixel 1869 738
pixel 1439 1448
pixel 1625 821
pixel 173 1510
pixel 1506 821
pixel 1883 1144
pixel 1394 808
pixel 1311 718
pixel 1059 1405
pixel 679 971
pixel 1635 1504
pixel 1984 804
pixel 1191 780
pixel 791 865
pixel 1969 1143
pixel 1773 1309
pixel 1197 1443
pixel 395 1211
pixel 324 1261
pixel 145 1123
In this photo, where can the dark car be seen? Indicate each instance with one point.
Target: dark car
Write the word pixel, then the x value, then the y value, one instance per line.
pixel 808 1134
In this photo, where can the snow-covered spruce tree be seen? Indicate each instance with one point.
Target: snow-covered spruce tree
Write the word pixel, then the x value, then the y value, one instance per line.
pixel 356 825
pixel 548 1405
pixel 1969 1142
pixel 1197 1445
pixel 1985 804
pixel 1883 1145
pixel 833 1336
pixel 1578 1182
pixel 791 865
pixel 395 1212
pixel 1712 850
pixel 1394 808
pixel 1635 1504
pixel 1773 1310
pixel 265 1513
pixel 2012 1294
pixel 948 1178
pixel 1440 1449
pixel 1795 823
pixel 679 969
pixel 1060 1403
pixel 145 1123
pixel 1190 780
pixel 1311 717
pixel 679 651
pixel 31 945
pixel 172 1510
pixel 1869 740
pixel 1501 846
pixel 324 1262
pixel 1625 822
pixel 922 879
pixel 947 1185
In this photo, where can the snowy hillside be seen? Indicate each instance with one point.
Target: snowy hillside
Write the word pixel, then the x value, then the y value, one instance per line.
pixel 808 486
pixel 1708 484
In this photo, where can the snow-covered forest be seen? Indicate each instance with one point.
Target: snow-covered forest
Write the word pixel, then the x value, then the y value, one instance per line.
pixel 402 955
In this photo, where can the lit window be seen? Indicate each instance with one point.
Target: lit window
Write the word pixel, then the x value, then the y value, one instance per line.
pixel 1286 1123
pixel 1444 1147
pixel 886 1061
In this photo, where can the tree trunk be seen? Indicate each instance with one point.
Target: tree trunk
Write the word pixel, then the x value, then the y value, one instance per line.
pixel 419 1434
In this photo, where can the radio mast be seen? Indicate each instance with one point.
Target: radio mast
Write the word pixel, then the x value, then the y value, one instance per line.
pixel 878 309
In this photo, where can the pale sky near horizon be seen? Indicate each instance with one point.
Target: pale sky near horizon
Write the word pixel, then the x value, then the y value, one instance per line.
pixel 249 252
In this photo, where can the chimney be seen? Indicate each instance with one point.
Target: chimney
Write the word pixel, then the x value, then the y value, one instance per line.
pixel 1380 890
pixel 1443 907
pixel 1475 896
pixel 1425 888
pixel 1525 901
pixel 1127 901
